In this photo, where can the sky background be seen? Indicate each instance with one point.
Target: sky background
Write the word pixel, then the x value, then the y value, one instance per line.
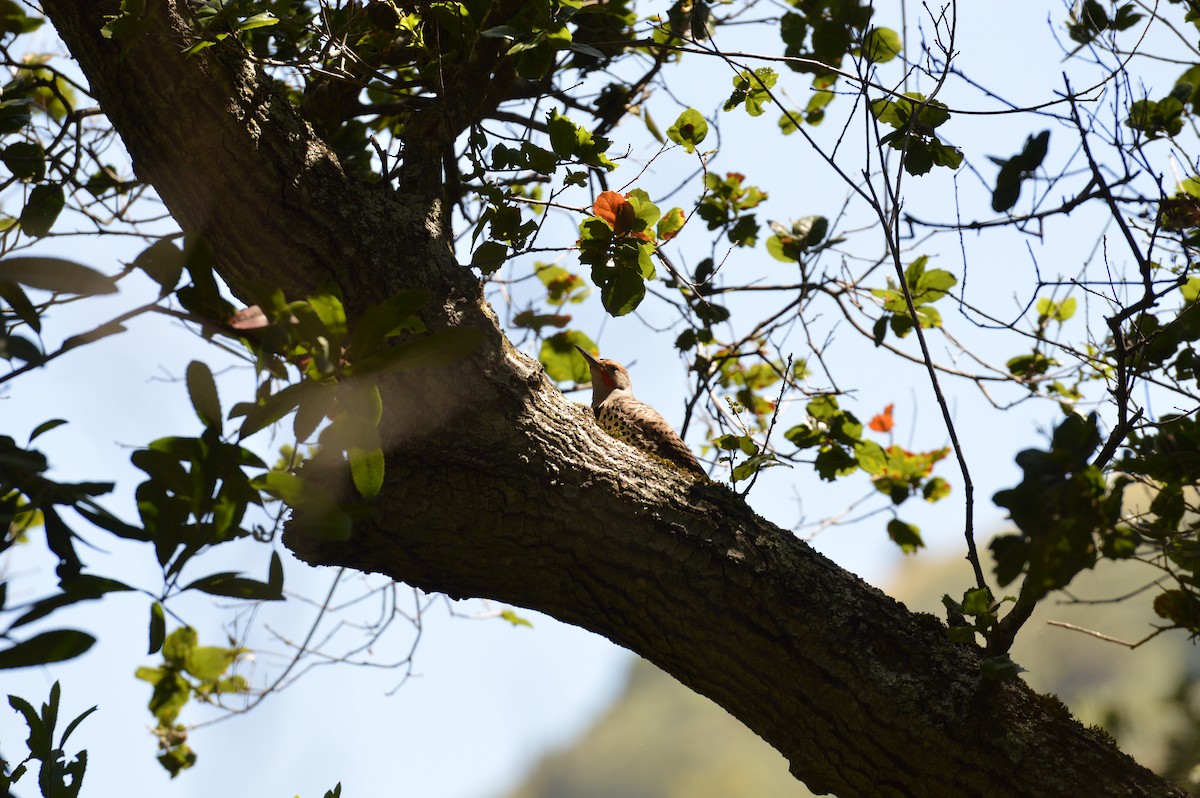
pixel 487 698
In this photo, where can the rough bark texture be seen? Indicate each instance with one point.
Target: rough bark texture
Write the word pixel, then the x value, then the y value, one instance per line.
pixel 499 487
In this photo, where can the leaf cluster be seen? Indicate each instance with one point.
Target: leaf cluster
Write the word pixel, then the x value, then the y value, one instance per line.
pixel 1089 18
pixel 618 242
pixel 924 287
pixel 752 90
pixel 188 670
pixel 724 204
pixel 58 777
pixel 805 236
pixel 1067 513
pixel 915 120
pixel 837 435
pixel 1016 170
pixel 983 610
pixel 1167 457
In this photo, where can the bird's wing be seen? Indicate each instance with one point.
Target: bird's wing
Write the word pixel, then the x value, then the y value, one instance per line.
pixel 654 434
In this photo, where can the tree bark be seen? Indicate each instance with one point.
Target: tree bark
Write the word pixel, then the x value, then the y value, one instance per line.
pixel 499 487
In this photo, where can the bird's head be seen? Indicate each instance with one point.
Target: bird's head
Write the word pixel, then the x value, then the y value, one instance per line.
pixel 607 376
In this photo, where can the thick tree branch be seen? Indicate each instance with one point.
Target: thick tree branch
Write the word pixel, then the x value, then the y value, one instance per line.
pixel 498 486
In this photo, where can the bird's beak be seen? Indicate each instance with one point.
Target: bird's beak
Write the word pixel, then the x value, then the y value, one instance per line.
pixel 588 356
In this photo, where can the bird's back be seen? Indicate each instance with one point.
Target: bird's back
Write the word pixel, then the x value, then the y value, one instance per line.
pixel 638 424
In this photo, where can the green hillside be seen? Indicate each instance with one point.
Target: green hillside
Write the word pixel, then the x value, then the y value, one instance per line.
pixel 660 740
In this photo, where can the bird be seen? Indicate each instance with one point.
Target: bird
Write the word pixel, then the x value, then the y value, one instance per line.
pixel 631 420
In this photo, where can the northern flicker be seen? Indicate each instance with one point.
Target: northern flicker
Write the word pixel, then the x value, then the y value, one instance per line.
pixel 630 420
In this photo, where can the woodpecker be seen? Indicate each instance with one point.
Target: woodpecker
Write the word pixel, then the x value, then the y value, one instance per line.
pixel 632 421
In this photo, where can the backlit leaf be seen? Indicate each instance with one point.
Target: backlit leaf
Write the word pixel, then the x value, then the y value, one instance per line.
pixel 906 536
pixel 53 646
pixel 883 422
pixel 41 211
pixel 26 160
pixel 56 274
pixel 689 129
pixel 202 390
pixel 158 627
pixel 881 45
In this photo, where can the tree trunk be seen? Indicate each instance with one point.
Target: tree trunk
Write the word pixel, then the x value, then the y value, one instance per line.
pixel 499 487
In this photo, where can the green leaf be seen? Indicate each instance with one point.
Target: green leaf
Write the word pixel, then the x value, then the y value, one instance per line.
pixel 906 536
pixel 41 210
pixel 752 90
pixel 291 489
pixel 670 224
pixel 777 250
pixel 208 663
pixel 269 409
pixel 1066 309
pixel 15 114
pixel 1190 290
pixel 72 726
pixel 53 646
pixel 881 45
pixel 1060 312
pixel 366 468
pixel 263 20
pixel 84 587
pixel 19 303
pixel 1034 364
pixel 202 390
pixel 562 361
pixel 44 427
pixel 871 457
pixel 935 489
pixel 689 129
pixel 316 401
pixel 56 274
pixel 40 741
pixel 163 263
pixel 562 134
pixel 330 312
pixel 275 572
pixel 13 19
pixel 931 286
pixel 823 407
pixel 234 585
pixel 977 602
pixel 318 515
pixel 91 336
pixel 178 644
pixel 728 443
pixel 26 160
pixel 753 465
pixel 158 627
pixel 623 292
pixel 810 230
pixel 943 155
pixel 489 256
pixel 514 619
